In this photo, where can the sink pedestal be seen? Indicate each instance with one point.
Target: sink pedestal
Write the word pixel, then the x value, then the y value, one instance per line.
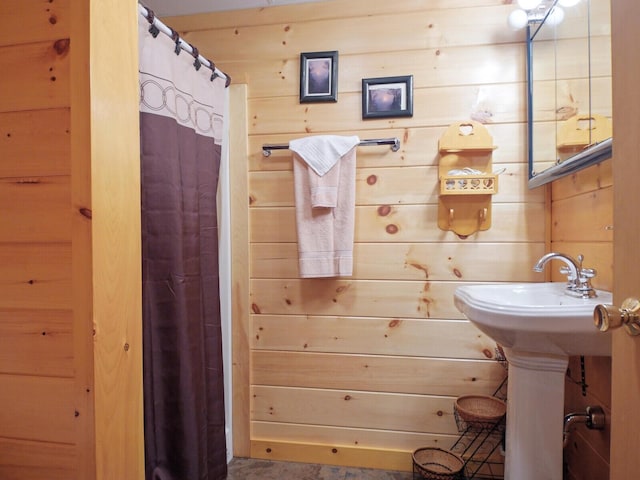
pixel 535 414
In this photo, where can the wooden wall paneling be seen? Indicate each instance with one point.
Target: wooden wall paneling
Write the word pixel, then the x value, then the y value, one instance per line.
pixel 514 222
pixel 240 271
pixel 370 335
pixel 393 374
pixel 419 147
pixel 587 217
pixel 583 442
pixel 84 325
pixel 34 21
pixel 434 67
pixel 116 240
pixel 395 185
pixel 40 76
pixel 40 209
pixel 36 276
pixel 571 97
pixel 597 255
pixel 362 437
pixel 330 10
pixel 37 460
pixel 47 156
pixel 415 261
pixel 588 462
pixel 574 52
pixel 496 103
pixel 582 213
pixel 585 181
pixel 356 409
pixel 403 31
pixel 340 297
pixel 386 458
pixel 25 414
pixel 36 343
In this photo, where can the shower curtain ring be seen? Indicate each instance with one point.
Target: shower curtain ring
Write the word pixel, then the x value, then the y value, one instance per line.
pixel 176 38
pixel 151 17
pixel 197 62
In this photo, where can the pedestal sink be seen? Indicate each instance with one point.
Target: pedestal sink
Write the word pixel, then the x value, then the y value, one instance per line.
pixel 539 325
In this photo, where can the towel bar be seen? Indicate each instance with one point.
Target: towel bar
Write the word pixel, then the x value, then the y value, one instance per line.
pixel 394 142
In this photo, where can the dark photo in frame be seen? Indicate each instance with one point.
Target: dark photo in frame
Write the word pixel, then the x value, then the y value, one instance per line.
pixel 319 77
pixel 387 97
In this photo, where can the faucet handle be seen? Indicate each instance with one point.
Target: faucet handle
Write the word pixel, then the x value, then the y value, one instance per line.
pixel 588 272
pixel 567 271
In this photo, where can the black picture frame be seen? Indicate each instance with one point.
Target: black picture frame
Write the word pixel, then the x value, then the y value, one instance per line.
pixel 387 97
pixel 319 77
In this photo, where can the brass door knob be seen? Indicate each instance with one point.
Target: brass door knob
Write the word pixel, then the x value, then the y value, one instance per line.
pixel 608 317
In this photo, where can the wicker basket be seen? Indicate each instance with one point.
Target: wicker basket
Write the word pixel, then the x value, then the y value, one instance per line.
pixel 480 408
pixel 438 464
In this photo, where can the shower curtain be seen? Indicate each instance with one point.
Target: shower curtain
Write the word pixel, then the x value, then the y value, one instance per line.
pixel 181 130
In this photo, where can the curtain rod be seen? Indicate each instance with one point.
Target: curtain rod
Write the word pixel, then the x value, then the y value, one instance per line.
pixel 394 142
pixel 157 26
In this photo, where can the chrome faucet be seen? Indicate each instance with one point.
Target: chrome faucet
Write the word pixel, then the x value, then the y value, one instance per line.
pixel 578 278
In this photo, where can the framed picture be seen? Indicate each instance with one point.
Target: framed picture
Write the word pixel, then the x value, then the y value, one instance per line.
pixel 387 97
pixel 319 77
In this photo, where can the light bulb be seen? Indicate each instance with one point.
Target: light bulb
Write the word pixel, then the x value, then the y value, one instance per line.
pixel 555 17
pixel 568 3
pixel 518 19
pixel 529 4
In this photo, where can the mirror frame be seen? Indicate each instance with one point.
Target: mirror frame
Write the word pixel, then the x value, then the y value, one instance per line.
pixel 591 155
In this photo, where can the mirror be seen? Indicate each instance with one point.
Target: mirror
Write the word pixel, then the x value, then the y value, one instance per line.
pixel 569 89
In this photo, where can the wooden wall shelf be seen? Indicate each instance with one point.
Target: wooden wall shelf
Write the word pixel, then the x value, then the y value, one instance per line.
pixel 466 178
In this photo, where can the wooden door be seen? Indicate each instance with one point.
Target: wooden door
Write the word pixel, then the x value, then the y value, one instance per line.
pixel 625 421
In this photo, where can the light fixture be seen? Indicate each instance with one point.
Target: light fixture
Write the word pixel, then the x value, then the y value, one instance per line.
pixel 518 19
pixel 528 4
pixel 555 17
pixel 537 11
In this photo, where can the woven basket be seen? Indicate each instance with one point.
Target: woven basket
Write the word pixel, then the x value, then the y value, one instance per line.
pixel 480 408
pixel 437 464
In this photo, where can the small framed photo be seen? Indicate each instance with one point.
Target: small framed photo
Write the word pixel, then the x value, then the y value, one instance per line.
pixel 319 77
pixel 387 97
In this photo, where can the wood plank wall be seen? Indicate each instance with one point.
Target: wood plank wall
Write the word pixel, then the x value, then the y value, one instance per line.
pixel 582 223
pixel 582 212
pixel 70 321
pixel 363 370
pixel 37 374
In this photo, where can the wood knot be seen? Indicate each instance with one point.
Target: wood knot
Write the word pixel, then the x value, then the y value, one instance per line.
pixel 392 229
pixel 61 46
pixel 384 210
pixel 86 212
pixel 394 323
pixel 372 179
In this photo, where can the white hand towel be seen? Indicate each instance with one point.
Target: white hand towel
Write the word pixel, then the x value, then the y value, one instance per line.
pixel 321 152
pixel 325 232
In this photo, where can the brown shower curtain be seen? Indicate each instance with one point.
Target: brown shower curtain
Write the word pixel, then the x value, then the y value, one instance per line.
pixel 181 118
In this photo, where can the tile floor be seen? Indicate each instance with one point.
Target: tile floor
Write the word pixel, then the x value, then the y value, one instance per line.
pixel 252 469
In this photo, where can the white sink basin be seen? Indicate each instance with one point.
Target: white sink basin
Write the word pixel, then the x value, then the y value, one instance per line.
pixel 538 318
pixel 540 326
